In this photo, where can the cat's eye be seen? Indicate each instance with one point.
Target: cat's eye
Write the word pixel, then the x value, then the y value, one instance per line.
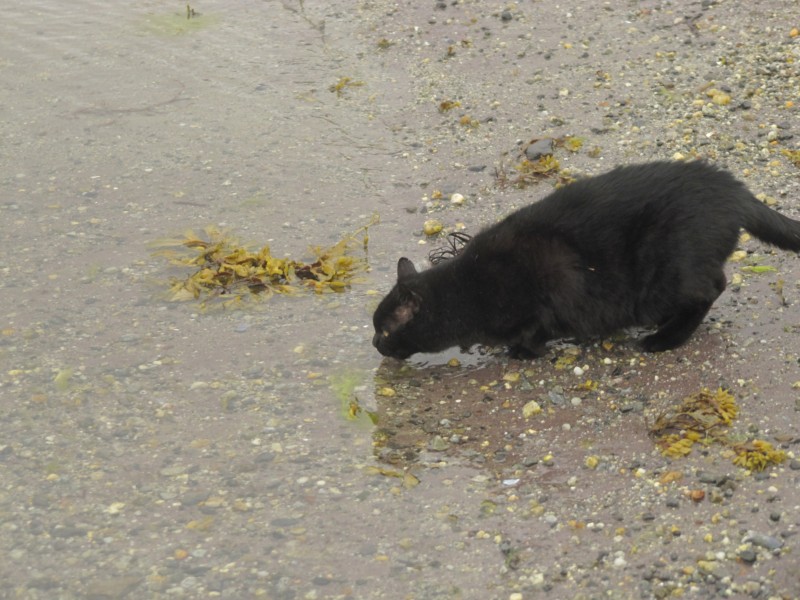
pixel 385 333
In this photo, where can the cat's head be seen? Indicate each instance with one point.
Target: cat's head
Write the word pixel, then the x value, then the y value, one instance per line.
pixel 403 323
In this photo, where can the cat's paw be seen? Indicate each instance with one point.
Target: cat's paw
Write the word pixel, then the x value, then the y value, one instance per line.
pixel 520 352
pixel 656 343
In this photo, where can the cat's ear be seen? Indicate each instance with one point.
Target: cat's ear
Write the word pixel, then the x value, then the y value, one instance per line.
pixel 409 299
pixel 405 269
pixel 410 302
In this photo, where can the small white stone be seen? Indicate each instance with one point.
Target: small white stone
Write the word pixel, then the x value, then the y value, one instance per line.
pixel 578 371
pixel 457 199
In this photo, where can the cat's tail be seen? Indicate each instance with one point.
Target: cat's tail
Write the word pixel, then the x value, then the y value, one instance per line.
pixel 771 226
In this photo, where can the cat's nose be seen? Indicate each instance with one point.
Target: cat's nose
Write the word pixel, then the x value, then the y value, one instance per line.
pixel 375 339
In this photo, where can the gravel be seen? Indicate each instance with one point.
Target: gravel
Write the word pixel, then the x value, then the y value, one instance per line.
pixel 150 450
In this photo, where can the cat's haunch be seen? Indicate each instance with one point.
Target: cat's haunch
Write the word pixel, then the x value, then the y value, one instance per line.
pixel 642 245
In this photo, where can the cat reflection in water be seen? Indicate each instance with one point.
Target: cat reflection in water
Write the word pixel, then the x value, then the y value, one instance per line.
pixel 642 245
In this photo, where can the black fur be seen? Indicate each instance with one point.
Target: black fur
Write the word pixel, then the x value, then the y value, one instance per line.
pixel 642 245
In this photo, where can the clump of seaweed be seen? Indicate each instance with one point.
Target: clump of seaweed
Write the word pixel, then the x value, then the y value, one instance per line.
pixel 343 84
pixel 529 170
pixel 793 156
pixel 456 242
pixel 701 418
pixel 757 455
pixel 446 105
pixel 226 272
pixel 701 412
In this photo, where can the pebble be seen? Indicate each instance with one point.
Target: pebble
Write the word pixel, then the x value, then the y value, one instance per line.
pixel 116 587
pixel 16 553
pixel 539 148
pixel 457 199
pixel 634 406
pixel 439 444
pixel 432 227
pixel 712 478
pixel 194 498
pixel 189 582
pixel 531 408
pixel 173 471
pixel 765 541
pixel 748 556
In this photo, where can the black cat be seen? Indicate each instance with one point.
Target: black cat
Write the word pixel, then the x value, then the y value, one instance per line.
pixel 642 245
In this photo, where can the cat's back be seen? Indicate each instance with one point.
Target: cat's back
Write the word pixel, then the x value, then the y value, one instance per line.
pixel 641 185
pixel 630 194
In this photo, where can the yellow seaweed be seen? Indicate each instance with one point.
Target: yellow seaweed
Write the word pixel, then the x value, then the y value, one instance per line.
pixel 228 272
pixel 757 455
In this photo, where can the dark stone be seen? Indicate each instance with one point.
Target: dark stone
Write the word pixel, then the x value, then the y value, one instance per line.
pixel 68 531
pixel 284 522
pixel 264 457
pixel 193 498
pixel 748 556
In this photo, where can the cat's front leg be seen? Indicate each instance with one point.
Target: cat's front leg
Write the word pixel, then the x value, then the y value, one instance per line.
pixel 529 344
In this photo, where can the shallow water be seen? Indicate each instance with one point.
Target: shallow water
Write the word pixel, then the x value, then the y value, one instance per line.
pixel 149 448
pixel 154 448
